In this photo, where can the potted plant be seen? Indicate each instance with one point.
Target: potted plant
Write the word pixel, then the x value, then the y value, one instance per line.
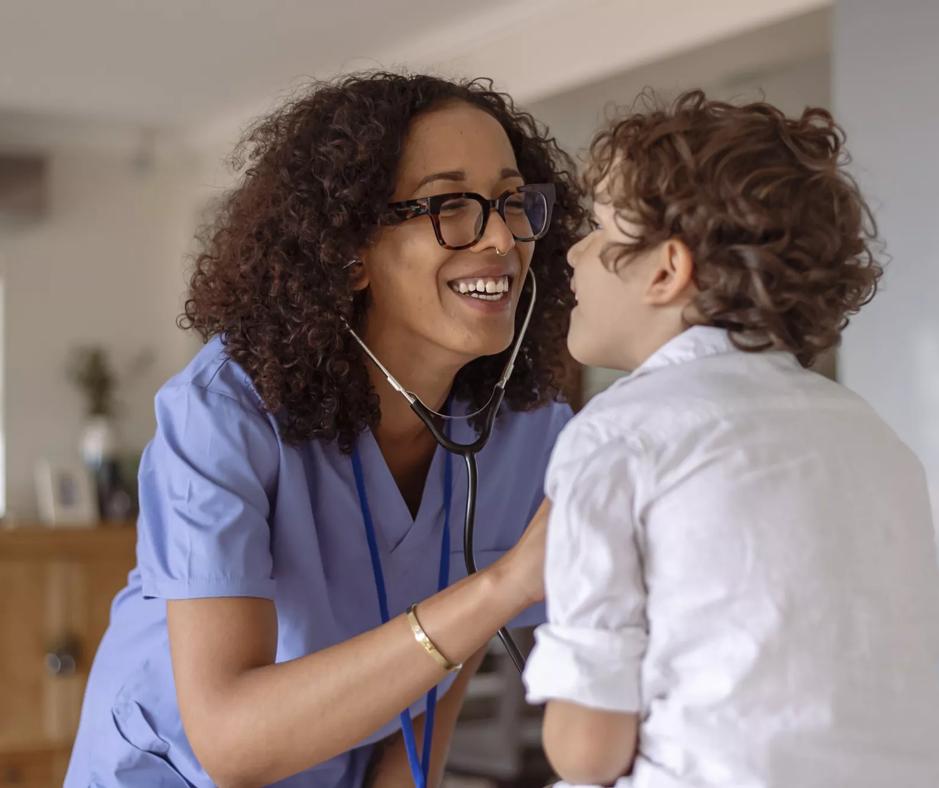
pixel 91 372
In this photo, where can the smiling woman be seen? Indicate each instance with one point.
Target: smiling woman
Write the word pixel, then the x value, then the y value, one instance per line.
pixel 294 510
pixel 321 174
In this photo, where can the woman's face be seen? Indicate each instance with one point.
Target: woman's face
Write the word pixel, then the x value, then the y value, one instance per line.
pixel 414 283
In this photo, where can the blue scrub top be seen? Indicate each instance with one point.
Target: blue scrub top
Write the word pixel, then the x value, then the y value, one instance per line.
pixel 228 509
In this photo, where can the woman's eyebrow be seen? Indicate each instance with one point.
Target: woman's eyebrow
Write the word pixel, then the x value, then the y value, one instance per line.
pixel 460 175
pixel 452 175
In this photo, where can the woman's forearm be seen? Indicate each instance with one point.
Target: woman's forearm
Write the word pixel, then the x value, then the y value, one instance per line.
pixel 258 725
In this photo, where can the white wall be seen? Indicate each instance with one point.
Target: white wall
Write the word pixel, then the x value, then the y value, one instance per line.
pixel 886 66
pixel 106 266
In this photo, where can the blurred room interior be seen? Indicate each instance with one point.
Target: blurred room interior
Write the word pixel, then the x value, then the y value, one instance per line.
pixel 115 121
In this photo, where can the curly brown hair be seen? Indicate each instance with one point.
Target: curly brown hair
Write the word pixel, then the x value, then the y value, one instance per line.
pixel 273 279
pixel 782 240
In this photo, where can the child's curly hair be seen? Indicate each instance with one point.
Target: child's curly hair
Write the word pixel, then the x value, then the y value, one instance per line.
pixel 273 277
pixel 781 237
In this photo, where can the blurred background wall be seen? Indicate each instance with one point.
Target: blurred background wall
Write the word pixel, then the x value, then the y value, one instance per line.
pixel 131 108
pixel 885 74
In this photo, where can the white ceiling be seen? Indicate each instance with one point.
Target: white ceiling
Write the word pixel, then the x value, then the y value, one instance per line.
pixel 185 61
pixel 207 65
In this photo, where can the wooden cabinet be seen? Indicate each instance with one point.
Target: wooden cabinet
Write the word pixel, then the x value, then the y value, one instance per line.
pixel 33 768
pixel 56 587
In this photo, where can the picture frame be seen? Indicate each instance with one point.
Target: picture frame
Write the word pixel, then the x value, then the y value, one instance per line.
pixel 65 494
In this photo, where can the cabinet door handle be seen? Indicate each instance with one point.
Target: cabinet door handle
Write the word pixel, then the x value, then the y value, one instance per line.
pixel 62 659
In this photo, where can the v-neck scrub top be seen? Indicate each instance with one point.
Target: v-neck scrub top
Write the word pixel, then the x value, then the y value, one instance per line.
pixel 228 509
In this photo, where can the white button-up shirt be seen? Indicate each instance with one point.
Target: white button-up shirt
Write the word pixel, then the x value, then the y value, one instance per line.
pixel 741 552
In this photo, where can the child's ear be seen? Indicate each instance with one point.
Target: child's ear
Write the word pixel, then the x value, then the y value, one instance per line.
pixel 672 274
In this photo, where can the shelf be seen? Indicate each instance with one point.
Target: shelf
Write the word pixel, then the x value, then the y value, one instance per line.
pixel 482 747
pixel 486 685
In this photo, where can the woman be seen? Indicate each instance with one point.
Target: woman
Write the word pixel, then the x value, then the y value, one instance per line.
pixel 248 647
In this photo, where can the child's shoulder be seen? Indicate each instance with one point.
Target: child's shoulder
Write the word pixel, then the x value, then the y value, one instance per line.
pixel 620 410
pixel 687 397
pixel 606 421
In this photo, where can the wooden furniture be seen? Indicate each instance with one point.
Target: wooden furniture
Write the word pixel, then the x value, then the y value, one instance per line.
pixel 56 587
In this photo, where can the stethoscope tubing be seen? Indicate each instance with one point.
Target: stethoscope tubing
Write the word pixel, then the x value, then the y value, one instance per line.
pixel 468 453
pixel 511 647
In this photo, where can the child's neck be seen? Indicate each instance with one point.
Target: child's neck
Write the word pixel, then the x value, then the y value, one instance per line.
pixel 651 341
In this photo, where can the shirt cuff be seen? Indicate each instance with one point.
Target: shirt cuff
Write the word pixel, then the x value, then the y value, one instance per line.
pixel 199 588
pixel 591 667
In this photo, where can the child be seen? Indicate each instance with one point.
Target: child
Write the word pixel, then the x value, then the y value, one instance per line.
pixel 741 571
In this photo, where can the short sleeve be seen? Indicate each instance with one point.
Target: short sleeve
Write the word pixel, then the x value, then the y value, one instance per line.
pixel 206 481
pixel 591 649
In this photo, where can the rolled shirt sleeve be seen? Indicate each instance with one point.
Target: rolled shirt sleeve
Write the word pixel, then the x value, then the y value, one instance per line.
pixel 206 481
pixel 591 649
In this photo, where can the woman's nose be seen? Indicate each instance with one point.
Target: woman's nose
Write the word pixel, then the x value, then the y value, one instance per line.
pixel 496 235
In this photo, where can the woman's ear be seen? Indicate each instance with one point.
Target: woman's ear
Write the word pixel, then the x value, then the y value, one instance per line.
pixel 358 273
pixel 672 275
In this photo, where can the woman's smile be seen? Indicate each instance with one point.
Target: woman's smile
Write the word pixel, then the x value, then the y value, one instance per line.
pixel 486 289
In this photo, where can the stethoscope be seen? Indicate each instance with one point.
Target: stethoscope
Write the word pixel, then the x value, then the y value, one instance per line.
pixel 467 451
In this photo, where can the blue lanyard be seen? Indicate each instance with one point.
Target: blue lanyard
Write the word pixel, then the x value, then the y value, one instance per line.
pixel 419 769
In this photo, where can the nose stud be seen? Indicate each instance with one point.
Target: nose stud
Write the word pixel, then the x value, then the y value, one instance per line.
pixel 501 253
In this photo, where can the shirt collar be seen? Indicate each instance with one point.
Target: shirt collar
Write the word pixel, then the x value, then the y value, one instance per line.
pixel 690 345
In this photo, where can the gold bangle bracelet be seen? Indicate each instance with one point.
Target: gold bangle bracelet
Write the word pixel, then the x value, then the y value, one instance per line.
pixel 421 637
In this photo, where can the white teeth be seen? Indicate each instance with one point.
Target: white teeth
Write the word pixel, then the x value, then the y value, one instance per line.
pixel 488 289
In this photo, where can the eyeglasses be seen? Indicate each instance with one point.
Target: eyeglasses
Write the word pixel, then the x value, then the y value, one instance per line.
pixel 460 218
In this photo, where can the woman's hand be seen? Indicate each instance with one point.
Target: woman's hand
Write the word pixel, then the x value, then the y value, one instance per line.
pixel 523 566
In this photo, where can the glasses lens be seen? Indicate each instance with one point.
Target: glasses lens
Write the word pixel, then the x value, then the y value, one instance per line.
pixel 526 214
pixel 461 221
